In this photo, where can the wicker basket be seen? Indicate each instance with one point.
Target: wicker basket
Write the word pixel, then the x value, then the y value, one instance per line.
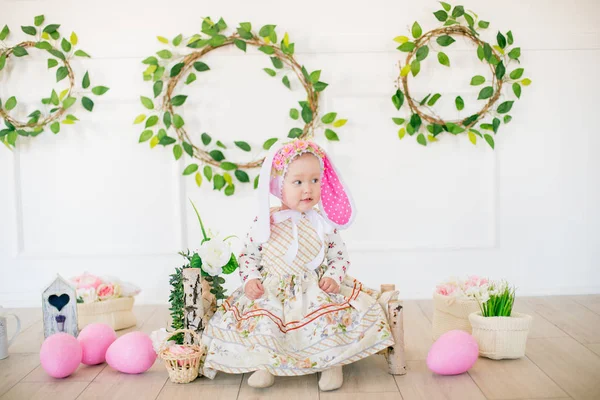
pixel 183 368
pixel 118 313
pixel 501 337
pixel 451 313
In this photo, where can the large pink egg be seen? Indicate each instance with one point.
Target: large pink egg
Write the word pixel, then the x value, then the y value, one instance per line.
pixel 453 353
pixel 60 355
pixel 131 353
pixel 95 339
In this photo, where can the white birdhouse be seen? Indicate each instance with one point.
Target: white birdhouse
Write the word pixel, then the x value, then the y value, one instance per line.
pixel 59 306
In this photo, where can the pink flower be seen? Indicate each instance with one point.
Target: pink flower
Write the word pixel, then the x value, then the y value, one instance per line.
pixel 107 290
pixel 86 281
pixel 287 151
pixel 180 350
pixel 301 145
pixel 278 162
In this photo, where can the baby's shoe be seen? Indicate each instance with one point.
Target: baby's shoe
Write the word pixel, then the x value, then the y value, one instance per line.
pixel 331 379
pixel 261 379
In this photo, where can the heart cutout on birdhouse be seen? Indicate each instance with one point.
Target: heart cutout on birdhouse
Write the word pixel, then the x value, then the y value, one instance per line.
pixel 59 301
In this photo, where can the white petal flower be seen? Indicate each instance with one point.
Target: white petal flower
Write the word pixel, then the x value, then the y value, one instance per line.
pixel 214 254
pixel 88 295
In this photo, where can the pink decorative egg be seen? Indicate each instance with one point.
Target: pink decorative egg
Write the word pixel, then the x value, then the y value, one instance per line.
pixel 60 355
pixel 95 339
pixel 453 353
pixel 131 353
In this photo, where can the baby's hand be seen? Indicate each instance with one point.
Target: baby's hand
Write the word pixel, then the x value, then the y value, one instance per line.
pixel 254 289
pixel 328 285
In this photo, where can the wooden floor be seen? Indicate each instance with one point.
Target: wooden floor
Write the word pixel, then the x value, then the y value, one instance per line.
pixel 562 362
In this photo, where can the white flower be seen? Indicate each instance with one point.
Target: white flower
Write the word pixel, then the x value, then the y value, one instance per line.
pixel 215 254
pixel 88 295
pixel 158 339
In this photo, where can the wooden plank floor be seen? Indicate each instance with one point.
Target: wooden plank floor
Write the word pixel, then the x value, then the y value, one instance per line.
pixel 562 362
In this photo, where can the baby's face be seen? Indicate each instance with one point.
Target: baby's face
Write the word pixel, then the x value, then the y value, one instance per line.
pixel 302 183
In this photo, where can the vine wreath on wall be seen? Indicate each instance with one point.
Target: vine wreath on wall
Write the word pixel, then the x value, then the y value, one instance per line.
pixel 57 108
pixel 422 120
pixel 183 60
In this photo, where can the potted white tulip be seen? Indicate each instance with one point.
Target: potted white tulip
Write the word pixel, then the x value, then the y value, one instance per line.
pixel 500 332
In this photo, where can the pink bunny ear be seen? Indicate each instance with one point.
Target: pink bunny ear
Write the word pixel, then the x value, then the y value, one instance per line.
pixel 336 202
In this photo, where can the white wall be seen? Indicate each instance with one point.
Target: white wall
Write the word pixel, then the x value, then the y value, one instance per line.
pixel 93 199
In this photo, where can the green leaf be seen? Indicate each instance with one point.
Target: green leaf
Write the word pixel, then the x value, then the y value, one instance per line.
pixel 228 166
pixel 4 33
pixel 200 66
pixel 99 90
pixel 421 140
pixel 69 101
pixel 269 143
pixel 416 30
pixel 480 53
pixel 443 59
pixel 460 103
pixel 515 53
pixel 294 133
pixel 270 71
pixel 188 149
pixel 38 20
pixel 399 121
pixel 329 118
pixel 177 40
pixel 150 61
pixel 190 78
pixel 511 40
pixel 415 67
pixel 178 121
pixel 446 6
pixel 176 69
pixel 277 63
pixel 315 76
pixel 407 47
pixel 10 103
pixel 164 54
pixel 178 100
pixel 218 182
pixel 505 107
pixel 139 119
pixel 507 119
pixel 30 30
pixel 19 51
pixel 61 73
pixel 422 53
pixel 148 103
pixel 81 53
pixel 206 139
pixel 445 40
pixel 331 135
pixel 198 179
pixel 516 89
pixel 229 191
pixel 266 30
pixel 294 114
pixel 501 40
pixel 87 103
pixel 240 44
pixel 217 155
pixel 433 99
pixel 157 88
pixel 472 137
pixel 489 139
pixel 458 11
pixel 243 145
pixel 320 86
pixel 453 128
pixel 3 62
pixel 495 125
pixel 486 93
pixel 477 80
pixel 208 172
pixel 415 122
pixel 217 40
pixel 242 176
pixel 190 169
pixel 146 135
pixel 54 98
pixel 469 19
pixel 307 114
pixel 441 15
pixel 487 51
pixel 178 152
pixel 267 50
pixel 398 99
pixel 483 24
pixel 51 28
pixel 167 119
pixel 517 73
pixel 286 82
pixel 153 120
pixel 221 145
pixel 55 127
pixel 500 70
pixel 65 45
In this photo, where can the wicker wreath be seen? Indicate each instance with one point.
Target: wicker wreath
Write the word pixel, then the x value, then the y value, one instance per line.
pixel 167 71
pixel 457 23
pixel 59 104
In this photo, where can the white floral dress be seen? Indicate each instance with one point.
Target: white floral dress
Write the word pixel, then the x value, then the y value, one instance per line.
pixel 294 328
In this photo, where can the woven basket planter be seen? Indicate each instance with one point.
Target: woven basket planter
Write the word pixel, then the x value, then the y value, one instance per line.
pixel 116 313
pixel 501 337
pixel 183 368
pixel 450 313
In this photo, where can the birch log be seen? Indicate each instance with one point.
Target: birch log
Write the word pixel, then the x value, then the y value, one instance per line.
pixel 396 358
pixel 194 307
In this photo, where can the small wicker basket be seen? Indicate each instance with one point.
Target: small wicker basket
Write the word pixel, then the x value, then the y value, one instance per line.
pixel 183 368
